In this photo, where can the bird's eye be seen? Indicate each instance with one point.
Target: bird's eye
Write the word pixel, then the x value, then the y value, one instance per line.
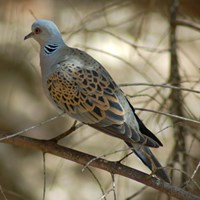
pixel 38 30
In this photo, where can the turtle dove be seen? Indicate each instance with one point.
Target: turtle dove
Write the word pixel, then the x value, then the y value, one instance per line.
pixel 80 86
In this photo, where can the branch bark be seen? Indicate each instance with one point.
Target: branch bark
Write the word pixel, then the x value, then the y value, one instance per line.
pixel 50 146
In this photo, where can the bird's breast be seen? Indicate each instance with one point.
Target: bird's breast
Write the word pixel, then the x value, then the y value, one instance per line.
pixel 63 91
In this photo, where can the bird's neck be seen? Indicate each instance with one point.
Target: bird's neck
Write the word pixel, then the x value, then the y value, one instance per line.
pixel 50 53
pixel 50 47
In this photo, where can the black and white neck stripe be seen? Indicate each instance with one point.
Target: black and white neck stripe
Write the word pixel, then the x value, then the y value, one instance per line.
pixel 50 48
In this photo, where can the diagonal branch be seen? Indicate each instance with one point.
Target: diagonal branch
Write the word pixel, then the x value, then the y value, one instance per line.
pixel 49 146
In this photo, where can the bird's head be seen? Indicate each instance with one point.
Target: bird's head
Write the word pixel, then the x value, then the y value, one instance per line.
pixel 45 32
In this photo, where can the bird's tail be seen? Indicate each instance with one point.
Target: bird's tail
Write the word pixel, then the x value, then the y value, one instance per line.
pixel 147 157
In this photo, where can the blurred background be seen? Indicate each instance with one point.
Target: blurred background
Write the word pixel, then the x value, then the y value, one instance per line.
pixel 131 40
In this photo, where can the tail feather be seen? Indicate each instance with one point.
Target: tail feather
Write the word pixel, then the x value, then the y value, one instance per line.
pixel 147 157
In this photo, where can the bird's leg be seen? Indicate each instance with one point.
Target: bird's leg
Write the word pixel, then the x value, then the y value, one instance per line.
pixel 154 168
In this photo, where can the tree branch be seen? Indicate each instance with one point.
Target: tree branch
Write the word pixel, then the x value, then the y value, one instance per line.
pixel 188 24
pixel 49 146
pixel 176 97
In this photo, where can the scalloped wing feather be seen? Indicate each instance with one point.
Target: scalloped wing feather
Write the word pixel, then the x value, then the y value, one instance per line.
pixel 85 95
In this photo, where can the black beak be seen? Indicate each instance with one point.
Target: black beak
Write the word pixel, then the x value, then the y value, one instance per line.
pixel 30 35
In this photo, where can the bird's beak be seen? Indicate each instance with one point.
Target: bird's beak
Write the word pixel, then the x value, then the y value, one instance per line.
pixel 30 35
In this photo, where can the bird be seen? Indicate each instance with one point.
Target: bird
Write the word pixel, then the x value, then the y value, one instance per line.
pixel 80 86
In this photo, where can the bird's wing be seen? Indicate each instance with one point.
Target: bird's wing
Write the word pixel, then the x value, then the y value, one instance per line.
pixel 85 94
pixel 90 95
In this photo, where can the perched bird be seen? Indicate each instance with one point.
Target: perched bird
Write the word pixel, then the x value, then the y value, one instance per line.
pixel 80 86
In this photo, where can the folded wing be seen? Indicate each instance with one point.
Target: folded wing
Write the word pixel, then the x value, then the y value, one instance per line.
pixel 91 96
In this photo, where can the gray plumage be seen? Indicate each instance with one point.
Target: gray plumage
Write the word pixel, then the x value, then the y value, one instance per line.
pixel 80 86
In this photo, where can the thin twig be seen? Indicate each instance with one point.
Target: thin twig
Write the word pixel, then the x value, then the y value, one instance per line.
pixel 169 115
pixel 106 194
pixel 126 156
pixel 44 175
pixel 5 136
pixel 98 182
pixel 149 49
pixel 188 24
pixel 137 193
pixel 68 132
pixel 103 156
pixel 139 71
pixel 195 171
pixel 160 85
pixel 193 175
pixel 3 194
pixel 110 190
pixel 185 174
pixel 114 186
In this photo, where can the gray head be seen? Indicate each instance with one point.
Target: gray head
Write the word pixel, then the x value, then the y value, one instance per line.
pixel 45 32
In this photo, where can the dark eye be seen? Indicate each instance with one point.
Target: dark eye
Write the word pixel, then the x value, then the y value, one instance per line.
pixel 37 30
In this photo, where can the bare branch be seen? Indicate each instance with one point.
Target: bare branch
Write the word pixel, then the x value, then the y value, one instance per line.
pixel 68 132
pixel 169 115
pixel 44 174
pixel 114 186
pixel 98 182
pixel 6 136
pixel 3 194
pixel 109 166
pixel 164 85
pixel 188 24
pixel 137 193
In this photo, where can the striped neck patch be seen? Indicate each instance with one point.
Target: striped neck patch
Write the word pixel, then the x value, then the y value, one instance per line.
pixel 50 48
